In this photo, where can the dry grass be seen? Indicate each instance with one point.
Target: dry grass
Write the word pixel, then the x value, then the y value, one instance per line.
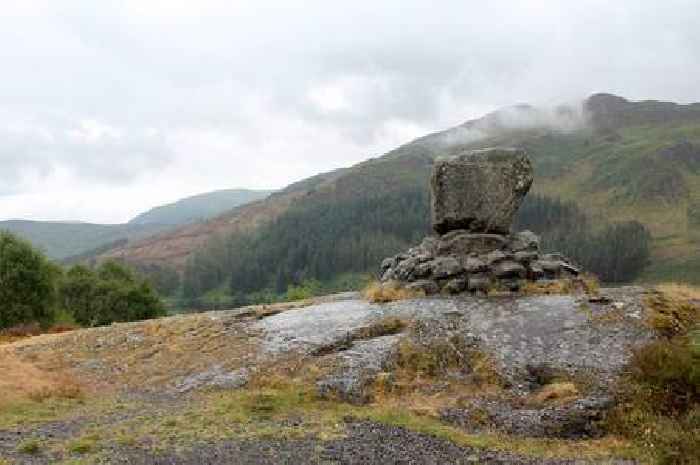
pixel 391 291
pixel 427 378
pixel 679 290
pixel 671 310
pixel 23 331
pixel 382 327
pixel 555 393
pixel 587 284
pixel 146 355
pixel 23 380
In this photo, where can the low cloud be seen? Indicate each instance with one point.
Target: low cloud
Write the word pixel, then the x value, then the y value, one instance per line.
pixel 562 118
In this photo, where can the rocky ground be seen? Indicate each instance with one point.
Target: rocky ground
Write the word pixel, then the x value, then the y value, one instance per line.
pixel 498 380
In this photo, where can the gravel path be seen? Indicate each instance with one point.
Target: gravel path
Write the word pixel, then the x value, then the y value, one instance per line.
pixel 366 443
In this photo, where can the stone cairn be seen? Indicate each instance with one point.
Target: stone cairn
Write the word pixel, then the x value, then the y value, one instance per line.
pixel 475 195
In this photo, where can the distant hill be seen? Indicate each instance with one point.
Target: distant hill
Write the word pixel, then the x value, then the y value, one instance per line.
pixel 75 241
pixel 198 207
pixel 62 240
pixel 615 159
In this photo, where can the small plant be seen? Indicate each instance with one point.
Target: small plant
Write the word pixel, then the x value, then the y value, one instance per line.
pixel 389 292
pixel 30 447
pixel 84 445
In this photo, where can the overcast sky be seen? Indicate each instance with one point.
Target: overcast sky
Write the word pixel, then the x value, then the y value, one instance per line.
pixel 109 108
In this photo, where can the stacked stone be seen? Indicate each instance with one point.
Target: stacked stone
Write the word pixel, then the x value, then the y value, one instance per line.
pixel 475 195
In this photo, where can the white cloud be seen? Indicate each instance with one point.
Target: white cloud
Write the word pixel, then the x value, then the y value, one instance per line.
pixel 132 103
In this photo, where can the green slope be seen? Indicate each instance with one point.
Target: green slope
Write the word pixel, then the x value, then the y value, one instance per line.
pixel 63 240
pixel 199 207
pixel 66 240
pixel 631 161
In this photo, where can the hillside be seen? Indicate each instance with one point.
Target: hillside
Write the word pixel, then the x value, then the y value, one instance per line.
pixel 617 160
pixel 507 380
pixel 199 207
pixel 61 240
pixel 75 240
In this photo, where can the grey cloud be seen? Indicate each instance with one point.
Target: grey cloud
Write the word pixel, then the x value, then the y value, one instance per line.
pixel 89 151
pixel 261 73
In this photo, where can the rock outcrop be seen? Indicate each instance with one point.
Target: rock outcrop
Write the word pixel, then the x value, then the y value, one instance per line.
pixel 479 190
pixel 475 196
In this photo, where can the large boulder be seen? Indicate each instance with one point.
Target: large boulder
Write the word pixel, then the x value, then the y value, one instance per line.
pixel 479 190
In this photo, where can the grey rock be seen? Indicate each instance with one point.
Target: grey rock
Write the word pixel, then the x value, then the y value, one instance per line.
pixel 526 256
pixel 445 267
pixel 429 245
pixel 423 270
pixel 495 257
pixel 570 269
pixel 509 269
pixel 388 263
pixel 215 377
pixel 481 282
pixel 404 271
pixel 576 420
pixel 455 286
pixel 426 285
pixel 550 268
pixel 524 240
pixel 357 369
pixel 479 190
pixel 535 271
pixel 465 243
pixel 474 265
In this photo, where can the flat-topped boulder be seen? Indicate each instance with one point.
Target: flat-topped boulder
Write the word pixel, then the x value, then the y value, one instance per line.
pixel 475 195
pixel 479 190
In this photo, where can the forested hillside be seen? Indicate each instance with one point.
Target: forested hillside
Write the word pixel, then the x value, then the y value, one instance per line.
pixel 617 186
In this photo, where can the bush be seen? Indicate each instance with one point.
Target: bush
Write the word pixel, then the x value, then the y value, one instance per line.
pixel 112 293
pixel 27 291
pixel 659 401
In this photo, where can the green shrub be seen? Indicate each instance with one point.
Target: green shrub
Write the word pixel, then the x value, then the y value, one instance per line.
pixel 112 293
pixel 27 290
pixel 659 402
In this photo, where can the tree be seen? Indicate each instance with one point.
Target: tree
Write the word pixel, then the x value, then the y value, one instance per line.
pixel 112 293
pixel 27 290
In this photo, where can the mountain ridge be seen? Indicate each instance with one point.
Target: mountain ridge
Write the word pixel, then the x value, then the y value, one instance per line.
pixel 75 240
pixel 588 153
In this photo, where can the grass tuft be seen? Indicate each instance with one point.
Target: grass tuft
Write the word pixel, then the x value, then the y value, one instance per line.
pixel 671 311
pixel 391 291
pixel 30 447
pixel 84 445
pixel 587 284
pixel 555 393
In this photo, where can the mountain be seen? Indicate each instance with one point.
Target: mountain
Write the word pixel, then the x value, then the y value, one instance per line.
pixel 615 160
pixel 199 207
pixel 60 240
pixel 73 241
